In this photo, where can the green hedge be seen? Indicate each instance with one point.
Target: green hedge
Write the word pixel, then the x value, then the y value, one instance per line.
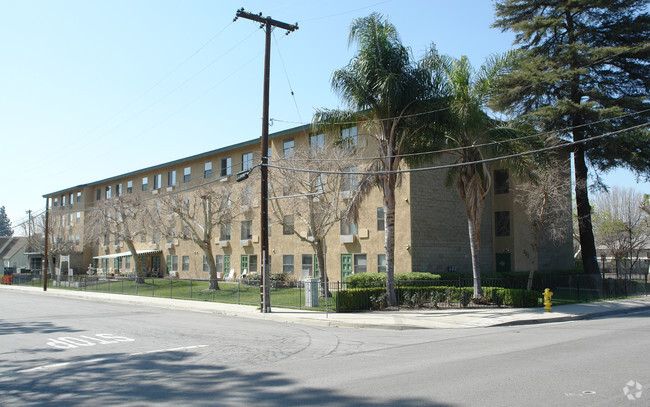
pixel 372 280
pixel 360 299
pixel 278 280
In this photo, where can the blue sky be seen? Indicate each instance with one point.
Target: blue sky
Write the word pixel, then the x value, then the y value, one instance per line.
pixel 92 89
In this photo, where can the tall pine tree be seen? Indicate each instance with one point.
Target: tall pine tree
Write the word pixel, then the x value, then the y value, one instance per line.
pixel 583 71
pixel 5 223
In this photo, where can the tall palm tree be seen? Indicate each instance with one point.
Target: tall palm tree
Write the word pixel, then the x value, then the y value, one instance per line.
pixel 468 128
pixel 381 86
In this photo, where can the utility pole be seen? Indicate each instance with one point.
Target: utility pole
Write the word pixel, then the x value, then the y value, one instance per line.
pixel 47 238
pixel 267 23
pixel 29 230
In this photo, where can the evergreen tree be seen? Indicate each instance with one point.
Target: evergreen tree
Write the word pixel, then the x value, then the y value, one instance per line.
pixel 5 223
pixel 583 72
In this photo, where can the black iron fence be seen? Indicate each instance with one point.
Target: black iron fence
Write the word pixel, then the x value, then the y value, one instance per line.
pixel 340 297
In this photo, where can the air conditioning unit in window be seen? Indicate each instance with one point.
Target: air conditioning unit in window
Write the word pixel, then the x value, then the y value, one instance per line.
pixel 347 194
pixel 169 245
pixel 154 192
pixel 169 189
pixel 245 242
pixel 154 246
pixel 224 179
pixel 345 239
pixel 246 208
pixel 224 243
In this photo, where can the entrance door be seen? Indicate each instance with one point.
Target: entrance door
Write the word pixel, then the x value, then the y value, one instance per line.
pixel 346 265
pixel 503 262
pixel 155 265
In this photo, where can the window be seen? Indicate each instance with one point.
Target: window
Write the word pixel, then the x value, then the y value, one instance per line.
pixel 76 240
pixel 117 263
pixel 207 170
pixel 349 181
pixel 501 181
pixel 171 178
pixel 252 263
pixel 71 219
pixel 145 183
pixel 360 263
pixel 106 239
pixel 157 181
pixel 226 166
pixel 380 218
pixel 247 196
pixel 349 139
pixel 174 263
pixel 287 263
pixel 287 225
pixel 55 202
pixel 225 232
pixel 71 199
pixel 108 192
pixel 246 229
pixel 143 238
pixel 185 263
pixel 348 228
pixel 317 142
pixel 78 216
pixel 218 261
pixel 381 263
pixel 127 262
pixel 205 264
pixel 187 174
pixel 62 200
pixel 129 187
pixel 288 148
pixel 307 265
pixel 118 190
pixel 246 161
pixel 502 223
pixel 78 196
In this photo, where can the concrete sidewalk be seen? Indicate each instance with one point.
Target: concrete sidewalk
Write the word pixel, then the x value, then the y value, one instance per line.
pixel 419 319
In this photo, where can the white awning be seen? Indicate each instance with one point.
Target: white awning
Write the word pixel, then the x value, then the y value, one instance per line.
pixel 126 254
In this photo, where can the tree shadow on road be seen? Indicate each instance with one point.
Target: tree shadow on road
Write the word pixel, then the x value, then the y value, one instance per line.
pixel 170 378
pixel 44 327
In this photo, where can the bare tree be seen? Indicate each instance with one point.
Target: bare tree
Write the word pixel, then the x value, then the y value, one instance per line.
pixel 124 218
pixel 546 199
pixel 621 224
pixel 197 214
pixel 309 195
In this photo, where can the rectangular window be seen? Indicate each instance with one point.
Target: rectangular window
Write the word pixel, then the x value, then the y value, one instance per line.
pixel 185 263
pixel 118 190
pixel 288 148
pixel 171 178
pixel 76 240
pixel 174 263
pixel 307 265
pixel 55 202
pixel 145 183
pixel 349 139
pixel 71 198
pixel 207 170
pixel 109 191
pixel 501 181
pixel 117 263
pixel 252 263
pixel 317 142
pixel 205 264
pixel 129 187
pixel 187 174
pixel 348 228
pixel 502 223
pixel 157 181
pixel 127 262
pixel 218 261
pixel 226 166
pixel 246 229
pixel 350 181
pixel 78 216
pixel 62 200
pixel 78 196
pixel 71 219
pixel 287 225
pixel 246 161
pixel 381 263
pixel 225 232
pixel 287 263
pixel 380 218
pixel 360 263
pixel 247 196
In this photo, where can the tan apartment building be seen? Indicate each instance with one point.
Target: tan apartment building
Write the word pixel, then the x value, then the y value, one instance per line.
pixel 431 229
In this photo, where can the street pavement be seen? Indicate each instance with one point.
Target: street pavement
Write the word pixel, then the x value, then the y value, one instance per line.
pixel 399 320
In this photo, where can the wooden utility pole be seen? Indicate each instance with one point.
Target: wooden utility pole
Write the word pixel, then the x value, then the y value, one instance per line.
pixel 267 23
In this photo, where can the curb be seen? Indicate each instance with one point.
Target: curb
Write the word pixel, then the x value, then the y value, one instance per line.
pixel 575 317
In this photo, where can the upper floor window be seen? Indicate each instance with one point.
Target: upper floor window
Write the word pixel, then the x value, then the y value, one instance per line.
pixel 287 225
pixel 246 161
pixel 129 187
pixel 109 192
pixel 171 178
pixel 118 190
pixel 317 141
pixel 71 198
pixel 502 223
pixel 55 202
pixel 349 138
pixel 145 183
pixel 62 200
pixel 288 148
pixel 501 181
pixel 207 170
pixel 157 181
pixel 187 174
pixel 78 196
pixel 349 181
pixel 246 229
pixel 226 166
pixel 380 218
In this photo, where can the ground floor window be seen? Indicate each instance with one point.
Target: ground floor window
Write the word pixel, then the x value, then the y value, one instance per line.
pixel 185 263
pixel 381 263
pixel 360 263
pixel 287 263
pixel 307 265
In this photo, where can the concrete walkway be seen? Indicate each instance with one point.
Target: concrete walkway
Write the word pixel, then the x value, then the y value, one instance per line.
pixel 420 319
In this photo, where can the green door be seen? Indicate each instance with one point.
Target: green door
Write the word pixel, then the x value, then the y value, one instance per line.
pixel 346 265
pixel 503 262
pixel 244 264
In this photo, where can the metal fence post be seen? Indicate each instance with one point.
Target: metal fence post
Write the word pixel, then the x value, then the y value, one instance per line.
pixel 238 283
pixel 153 293
pixel 190 289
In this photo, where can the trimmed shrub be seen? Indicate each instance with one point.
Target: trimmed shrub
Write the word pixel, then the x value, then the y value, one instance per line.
pixel 359 299
pixel 415 279
pixel 371 280
pixel 365 280
pixel 278 280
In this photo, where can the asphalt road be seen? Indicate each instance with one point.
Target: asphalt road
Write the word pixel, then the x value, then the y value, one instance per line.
pixel 61 351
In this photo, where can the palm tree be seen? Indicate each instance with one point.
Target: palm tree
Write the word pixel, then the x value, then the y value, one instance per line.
pixel 468 128
pixel 381 86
